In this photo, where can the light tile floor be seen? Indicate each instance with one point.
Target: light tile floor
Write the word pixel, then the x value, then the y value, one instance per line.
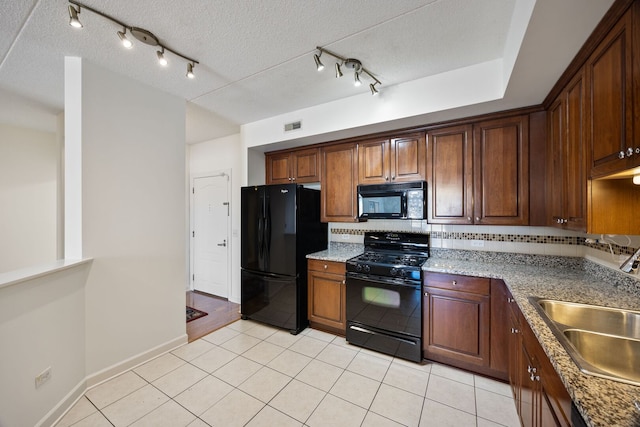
pixel 250 374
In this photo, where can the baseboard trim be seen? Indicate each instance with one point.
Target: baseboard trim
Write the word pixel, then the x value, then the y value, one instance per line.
pixel 60 410
pixel 134 361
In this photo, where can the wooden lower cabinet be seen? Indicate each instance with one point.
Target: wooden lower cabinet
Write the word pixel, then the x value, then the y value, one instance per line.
pixel 327 292
pixel 541 398
pixel 456 320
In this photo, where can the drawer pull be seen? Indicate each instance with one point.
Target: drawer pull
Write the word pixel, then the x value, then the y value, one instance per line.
pixel 510 299
pixel 514 331
pixel 326 266
pixel 454 283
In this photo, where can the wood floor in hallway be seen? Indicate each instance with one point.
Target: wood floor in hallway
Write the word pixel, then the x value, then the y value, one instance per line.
pixel 220 313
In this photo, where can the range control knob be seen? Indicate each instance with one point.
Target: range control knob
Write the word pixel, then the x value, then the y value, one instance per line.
pixel 367 268
pixel 358 267
pixel 394 271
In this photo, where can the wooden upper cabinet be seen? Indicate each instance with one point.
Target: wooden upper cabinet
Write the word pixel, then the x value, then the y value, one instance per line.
pixel 567 151
pixel 501 171
pixel 408 158
pixel 339 180
pixel 297 166
pixel 450 175
pixel 609 75
pixel 373 162
pixel 392 160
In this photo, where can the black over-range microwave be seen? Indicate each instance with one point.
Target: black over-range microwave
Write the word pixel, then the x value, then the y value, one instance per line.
pixel 405 200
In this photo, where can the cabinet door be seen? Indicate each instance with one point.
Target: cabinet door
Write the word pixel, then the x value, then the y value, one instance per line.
pixel 574 157
pixel 450 171
pixel 499 352
pixel 501 171
pixel 556 186
pixel 408 158
pixel 339 180
pixel 373 165
pixel 327 294
pixel 610 114
pixel 278 168
pixel 456 327
pixel 306 165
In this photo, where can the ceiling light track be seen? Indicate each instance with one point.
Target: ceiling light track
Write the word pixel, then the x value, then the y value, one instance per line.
pixel 350 63
pixel 142 35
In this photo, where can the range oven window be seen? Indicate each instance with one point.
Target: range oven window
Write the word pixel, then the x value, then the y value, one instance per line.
pixel 381 297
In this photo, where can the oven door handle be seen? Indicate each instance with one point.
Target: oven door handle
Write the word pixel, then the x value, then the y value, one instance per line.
pixel 380 280
pixel 367 331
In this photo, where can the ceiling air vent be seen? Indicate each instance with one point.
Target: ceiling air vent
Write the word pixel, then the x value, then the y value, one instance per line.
pixel 292 126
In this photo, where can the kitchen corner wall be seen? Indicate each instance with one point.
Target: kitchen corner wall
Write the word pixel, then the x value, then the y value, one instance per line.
pixel 527 240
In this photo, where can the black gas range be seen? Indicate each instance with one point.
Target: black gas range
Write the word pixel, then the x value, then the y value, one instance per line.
pixel 384 294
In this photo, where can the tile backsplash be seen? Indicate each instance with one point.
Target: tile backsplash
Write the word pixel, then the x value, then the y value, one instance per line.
pixel 609 250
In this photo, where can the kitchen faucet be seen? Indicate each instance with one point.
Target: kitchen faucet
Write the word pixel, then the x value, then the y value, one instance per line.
pixel 631 264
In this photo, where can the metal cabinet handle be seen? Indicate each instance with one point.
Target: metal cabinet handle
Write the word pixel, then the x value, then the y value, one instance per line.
pixel 426 294
pixel 454 283
pixel 469 218
pixel 514 331
pixel 326 266
pixel 534 377
pixel 224 243
pixel 621 155
pixel 637 150
pixel 509 299
pixel 629 152
pixel 386 178
pixel 477 218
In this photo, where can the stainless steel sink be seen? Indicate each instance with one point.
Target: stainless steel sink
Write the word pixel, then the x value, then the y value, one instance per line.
pixel 602 341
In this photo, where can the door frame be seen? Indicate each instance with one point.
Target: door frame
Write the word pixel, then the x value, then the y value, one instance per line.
pixel 192 178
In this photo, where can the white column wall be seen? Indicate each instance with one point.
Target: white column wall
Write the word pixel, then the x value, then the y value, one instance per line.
pixel 220 155
pixel 133 216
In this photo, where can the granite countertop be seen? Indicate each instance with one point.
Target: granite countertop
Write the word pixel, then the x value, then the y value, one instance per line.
pixel 601 402
pixel 339 252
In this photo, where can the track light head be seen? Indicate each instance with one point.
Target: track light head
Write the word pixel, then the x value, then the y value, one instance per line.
pixel 73 17
pixel 356 80
pixel 123 38
pixel 190 71
pixel 338 71
pixel 319 64
pixel 161 58
pixel 374 91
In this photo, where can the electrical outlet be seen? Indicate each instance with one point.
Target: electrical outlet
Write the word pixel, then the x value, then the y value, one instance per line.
pixel 477 243
pixel 43 377
pixel 345 236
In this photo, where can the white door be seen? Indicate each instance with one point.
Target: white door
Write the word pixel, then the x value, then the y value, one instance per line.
pixel 210 235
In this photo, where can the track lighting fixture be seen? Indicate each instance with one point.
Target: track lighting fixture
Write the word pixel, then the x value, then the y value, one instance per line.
pixel 140 34
pixel 350 63
pixel 73 17
pixel 123 38
pixel 319 64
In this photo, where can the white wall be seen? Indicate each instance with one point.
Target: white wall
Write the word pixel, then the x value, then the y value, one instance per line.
pixel 212 157
pixel 28 197
pixel 42 324
pixel 132 214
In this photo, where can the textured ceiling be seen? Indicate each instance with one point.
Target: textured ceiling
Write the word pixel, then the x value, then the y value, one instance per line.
pixel 256 57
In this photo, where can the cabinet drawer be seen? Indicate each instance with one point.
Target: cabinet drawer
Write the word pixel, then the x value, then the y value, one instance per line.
pixel 327 266
pixel 454 282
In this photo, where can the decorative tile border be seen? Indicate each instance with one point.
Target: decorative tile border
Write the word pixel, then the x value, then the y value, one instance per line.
pixel 516 238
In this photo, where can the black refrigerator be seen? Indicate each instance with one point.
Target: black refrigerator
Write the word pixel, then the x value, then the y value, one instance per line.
pixel 280 225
